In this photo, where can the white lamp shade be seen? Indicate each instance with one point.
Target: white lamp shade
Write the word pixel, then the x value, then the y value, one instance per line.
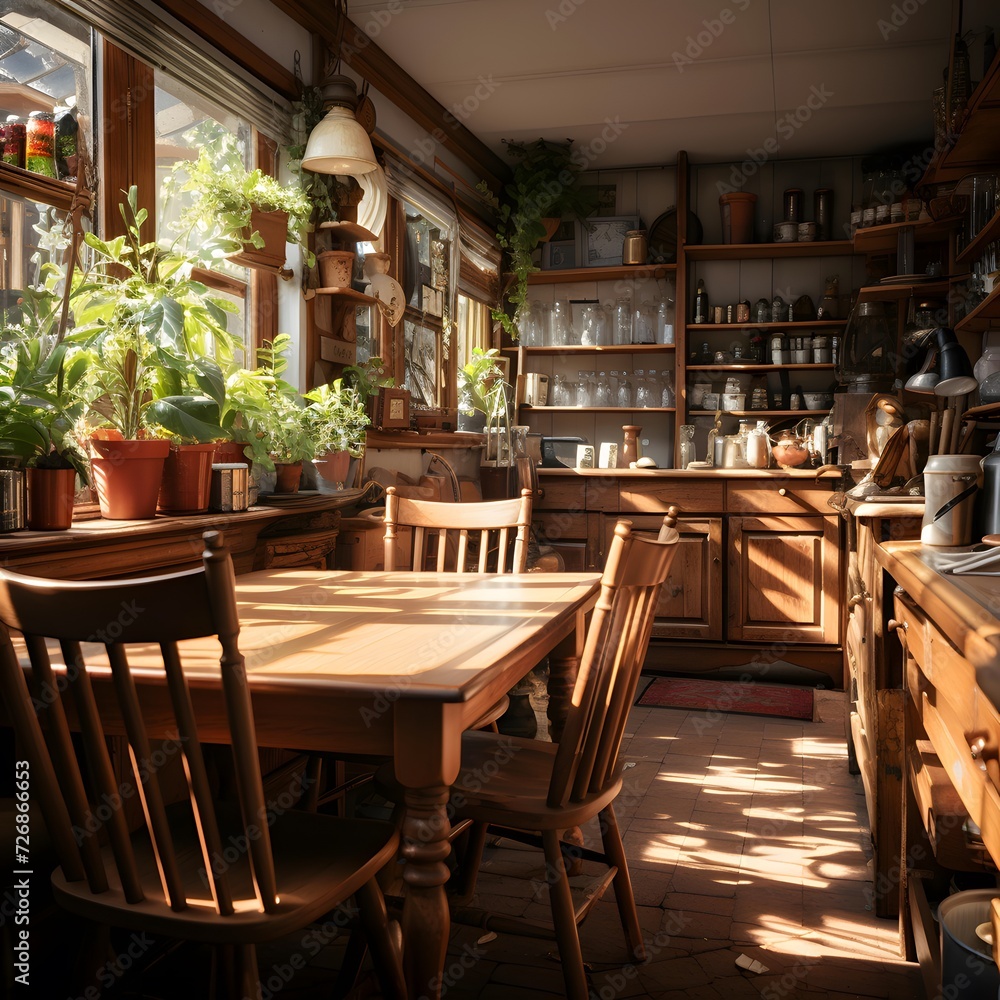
pixel 339 145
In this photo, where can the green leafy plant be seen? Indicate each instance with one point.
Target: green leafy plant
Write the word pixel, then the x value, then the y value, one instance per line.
pixel 148 331
pixel 482 388
pixel 225 195
pixel 336 417
pixel 280 422
pixel 545 184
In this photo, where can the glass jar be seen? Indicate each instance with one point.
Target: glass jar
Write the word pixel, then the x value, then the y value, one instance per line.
pixel 585 389
pixel 643 389
pixel 644 324
pixel 40 144
pixel 560 325
pixel 14 139
pixel 602 390
pixel 623 393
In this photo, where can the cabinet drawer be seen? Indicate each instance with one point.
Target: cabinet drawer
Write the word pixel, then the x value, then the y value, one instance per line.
pixel 692 496
pixel 777 496
pixel 562 493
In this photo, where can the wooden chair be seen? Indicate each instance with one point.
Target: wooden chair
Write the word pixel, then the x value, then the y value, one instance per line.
pixel 179 875
pixel 486 537
pixel 544 788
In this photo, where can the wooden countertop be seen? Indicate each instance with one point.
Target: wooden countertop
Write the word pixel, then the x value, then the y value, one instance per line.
pixel 807 474
pixel 965 607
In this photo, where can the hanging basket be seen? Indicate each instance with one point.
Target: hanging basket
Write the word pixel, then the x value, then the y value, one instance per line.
pixel 273 228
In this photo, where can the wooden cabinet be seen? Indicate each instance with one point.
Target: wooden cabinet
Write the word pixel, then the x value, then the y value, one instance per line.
pixel 759 561
pixel 690 605
pixel 783 575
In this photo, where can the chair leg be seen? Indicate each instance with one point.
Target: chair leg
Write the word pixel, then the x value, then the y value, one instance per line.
pixel 564 919
pixel 386 955
pixel 472 858
pixel 236 971
pixel 615 852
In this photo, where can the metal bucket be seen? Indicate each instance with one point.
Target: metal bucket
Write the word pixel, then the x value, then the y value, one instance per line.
pixel 967 967
pixel 13 499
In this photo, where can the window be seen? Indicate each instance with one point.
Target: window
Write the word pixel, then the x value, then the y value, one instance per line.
pixel 186 124
pixel 45 87
pixel 426 273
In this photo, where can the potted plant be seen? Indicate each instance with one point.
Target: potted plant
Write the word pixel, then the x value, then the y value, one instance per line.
pixel 38 413
pixel 336 416
pixel 544 188
pixel 483 391
pixel 147 329
pixel 245 215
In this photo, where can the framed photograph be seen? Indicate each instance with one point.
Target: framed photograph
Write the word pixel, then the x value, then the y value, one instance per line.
pixel 603 238
pixel 558 255
pixel 392 409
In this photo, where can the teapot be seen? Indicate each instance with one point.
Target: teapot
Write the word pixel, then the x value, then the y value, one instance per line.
pixel 789 450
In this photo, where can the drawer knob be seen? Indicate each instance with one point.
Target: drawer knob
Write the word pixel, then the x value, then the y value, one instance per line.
pixel 782 492
pixel 892 625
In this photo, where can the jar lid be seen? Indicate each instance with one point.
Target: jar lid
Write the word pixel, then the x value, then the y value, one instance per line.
pixel 635 232
pixel 41 116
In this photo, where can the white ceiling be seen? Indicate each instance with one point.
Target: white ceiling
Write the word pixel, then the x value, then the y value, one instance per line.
pixel 565 68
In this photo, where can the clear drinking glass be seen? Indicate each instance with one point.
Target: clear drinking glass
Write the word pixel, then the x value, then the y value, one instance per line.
pixel 560 324
pixel 644 324
pixel 585 389
pixel 623 393
pixel 622 330
pixel 602 390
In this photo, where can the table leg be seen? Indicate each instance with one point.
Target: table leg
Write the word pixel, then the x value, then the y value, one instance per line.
pixel 564 663
pixel 426 921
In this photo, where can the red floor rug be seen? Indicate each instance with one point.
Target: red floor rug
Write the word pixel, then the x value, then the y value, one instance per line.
pixel 729 696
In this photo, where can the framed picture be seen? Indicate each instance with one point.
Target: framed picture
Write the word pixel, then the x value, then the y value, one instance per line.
pixel 392 409
pixel 603 238
pixel 558 255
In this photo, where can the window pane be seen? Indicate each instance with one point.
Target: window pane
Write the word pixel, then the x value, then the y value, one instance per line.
pixel 185 124
pixel 32 235
pixel 45 68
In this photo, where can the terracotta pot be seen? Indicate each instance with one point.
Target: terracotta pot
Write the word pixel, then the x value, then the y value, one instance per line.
pixel 127 476
pixel 230 452
pixel 273 228
pixel 336 268
pixel 737 216
pixel 287 476
pixel 187 479
pixel 50 499
pixel 332 470
pixel 551 224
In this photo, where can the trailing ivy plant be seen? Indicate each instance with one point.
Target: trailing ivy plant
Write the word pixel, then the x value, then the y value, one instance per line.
pixel 545 184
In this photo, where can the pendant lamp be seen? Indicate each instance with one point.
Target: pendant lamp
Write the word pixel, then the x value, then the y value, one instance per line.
pixel 339 144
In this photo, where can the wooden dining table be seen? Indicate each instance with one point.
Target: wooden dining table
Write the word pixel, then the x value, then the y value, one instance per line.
pixel 395 664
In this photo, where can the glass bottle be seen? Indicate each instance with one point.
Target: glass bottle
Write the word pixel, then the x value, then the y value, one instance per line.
pixel 560 325
pixel 622 325
pixel 758 447
pixel 665 321
pixel 701 303
pixel 623 397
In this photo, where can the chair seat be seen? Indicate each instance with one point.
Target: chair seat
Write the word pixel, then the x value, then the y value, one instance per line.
pixel 505 780
pixel 319 861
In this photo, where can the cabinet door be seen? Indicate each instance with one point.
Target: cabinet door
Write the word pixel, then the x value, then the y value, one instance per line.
pixel 690 605
pixel 784 575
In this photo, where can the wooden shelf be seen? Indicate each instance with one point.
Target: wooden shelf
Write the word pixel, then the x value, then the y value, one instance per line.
pixel 597 409
pixel 884 238
pixel 985 236
pixel 763 251
pixel 760 368
pixel 976 147
pixel 985 315
pixel 814 324
pixel 755 413
pixel 610 349
pixel 348 293
pixel 988 411
pixel 890 293
pixel 601 273
pixel 348 232
pixel 35 187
